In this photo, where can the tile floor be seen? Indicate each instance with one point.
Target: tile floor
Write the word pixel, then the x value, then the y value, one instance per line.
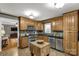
pixel 25 52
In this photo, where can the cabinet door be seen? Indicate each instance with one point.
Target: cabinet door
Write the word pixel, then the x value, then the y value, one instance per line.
pixel 40 37
pixel 73 43
pixel 53 25
pixel 36 25
pixel 22 24
pixel 66 19
pixel 70 26
pixel 73 21
pixel 31 23
pixel 45 38
pixel 40 26
pixel 70 42
pixel 23 42
pixel 60 24
pixel 66 42
pixel 57 24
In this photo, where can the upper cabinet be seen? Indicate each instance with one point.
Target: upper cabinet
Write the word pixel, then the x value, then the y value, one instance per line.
pixel 38 25
pixel 71 21
pixel 24 22
pixel 57 23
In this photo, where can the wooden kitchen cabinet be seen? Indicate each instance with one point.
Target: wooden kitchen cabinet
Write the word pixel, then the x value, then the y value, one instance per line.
pixel 40 37
pixel 38 25
pixel 70 28
pixel 60 24
pixel 72 23
pixel 22 24
pixel 45 38
pixel 57 23
pixel 23 42
pixel 53 25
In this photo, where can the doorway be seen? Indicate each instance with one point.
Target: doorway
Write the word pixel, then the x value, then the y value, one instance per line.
pixel 10 33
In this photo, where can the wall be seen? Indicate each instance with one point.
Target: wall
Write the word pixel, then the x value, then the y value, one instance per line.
pixel 7 29
pixel 8 16
pixel 0 37
pixel 8 32
pixel 0 43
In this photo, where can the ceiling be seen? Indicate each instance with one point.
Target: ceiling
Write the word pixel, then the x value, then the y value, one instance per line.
pixel 18 9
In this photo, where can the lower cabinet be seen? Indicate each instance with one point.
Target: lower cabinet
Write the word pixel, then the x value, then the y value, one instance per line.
pixel 23 42
pixel 40 37
pixel 45 38
pixel 70 43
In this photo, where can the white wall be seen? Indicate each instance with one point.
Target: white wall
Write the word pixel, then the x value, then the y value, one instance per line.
pixel 0 38
pixel 0 43
pixel 18 37
pixel 7 29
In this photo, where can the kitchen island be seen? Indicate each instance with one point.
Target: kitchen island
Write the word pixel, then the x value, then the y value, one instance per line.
pixel 39 49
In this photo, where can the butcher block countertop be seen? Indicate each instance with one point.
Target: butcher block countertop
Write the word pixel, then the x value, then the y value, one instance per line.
pixel 40 45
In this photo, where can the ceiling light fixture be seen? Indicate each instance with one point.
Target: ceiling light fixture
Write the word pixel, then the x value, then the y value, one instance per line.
pixel 56 4
pixel 31 14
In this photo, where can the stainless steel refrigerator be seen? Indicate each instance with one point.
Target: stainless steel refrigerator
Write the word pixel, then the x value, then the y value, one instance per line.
pixel 52 42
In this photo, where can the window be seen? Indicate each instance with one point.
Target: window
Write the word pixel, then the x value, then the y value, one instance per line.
pixel 47 27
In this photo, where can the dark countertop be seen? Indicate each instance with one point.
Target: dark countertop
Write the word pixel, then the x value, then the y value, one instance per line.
pixel 48 35
pixel 41 34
